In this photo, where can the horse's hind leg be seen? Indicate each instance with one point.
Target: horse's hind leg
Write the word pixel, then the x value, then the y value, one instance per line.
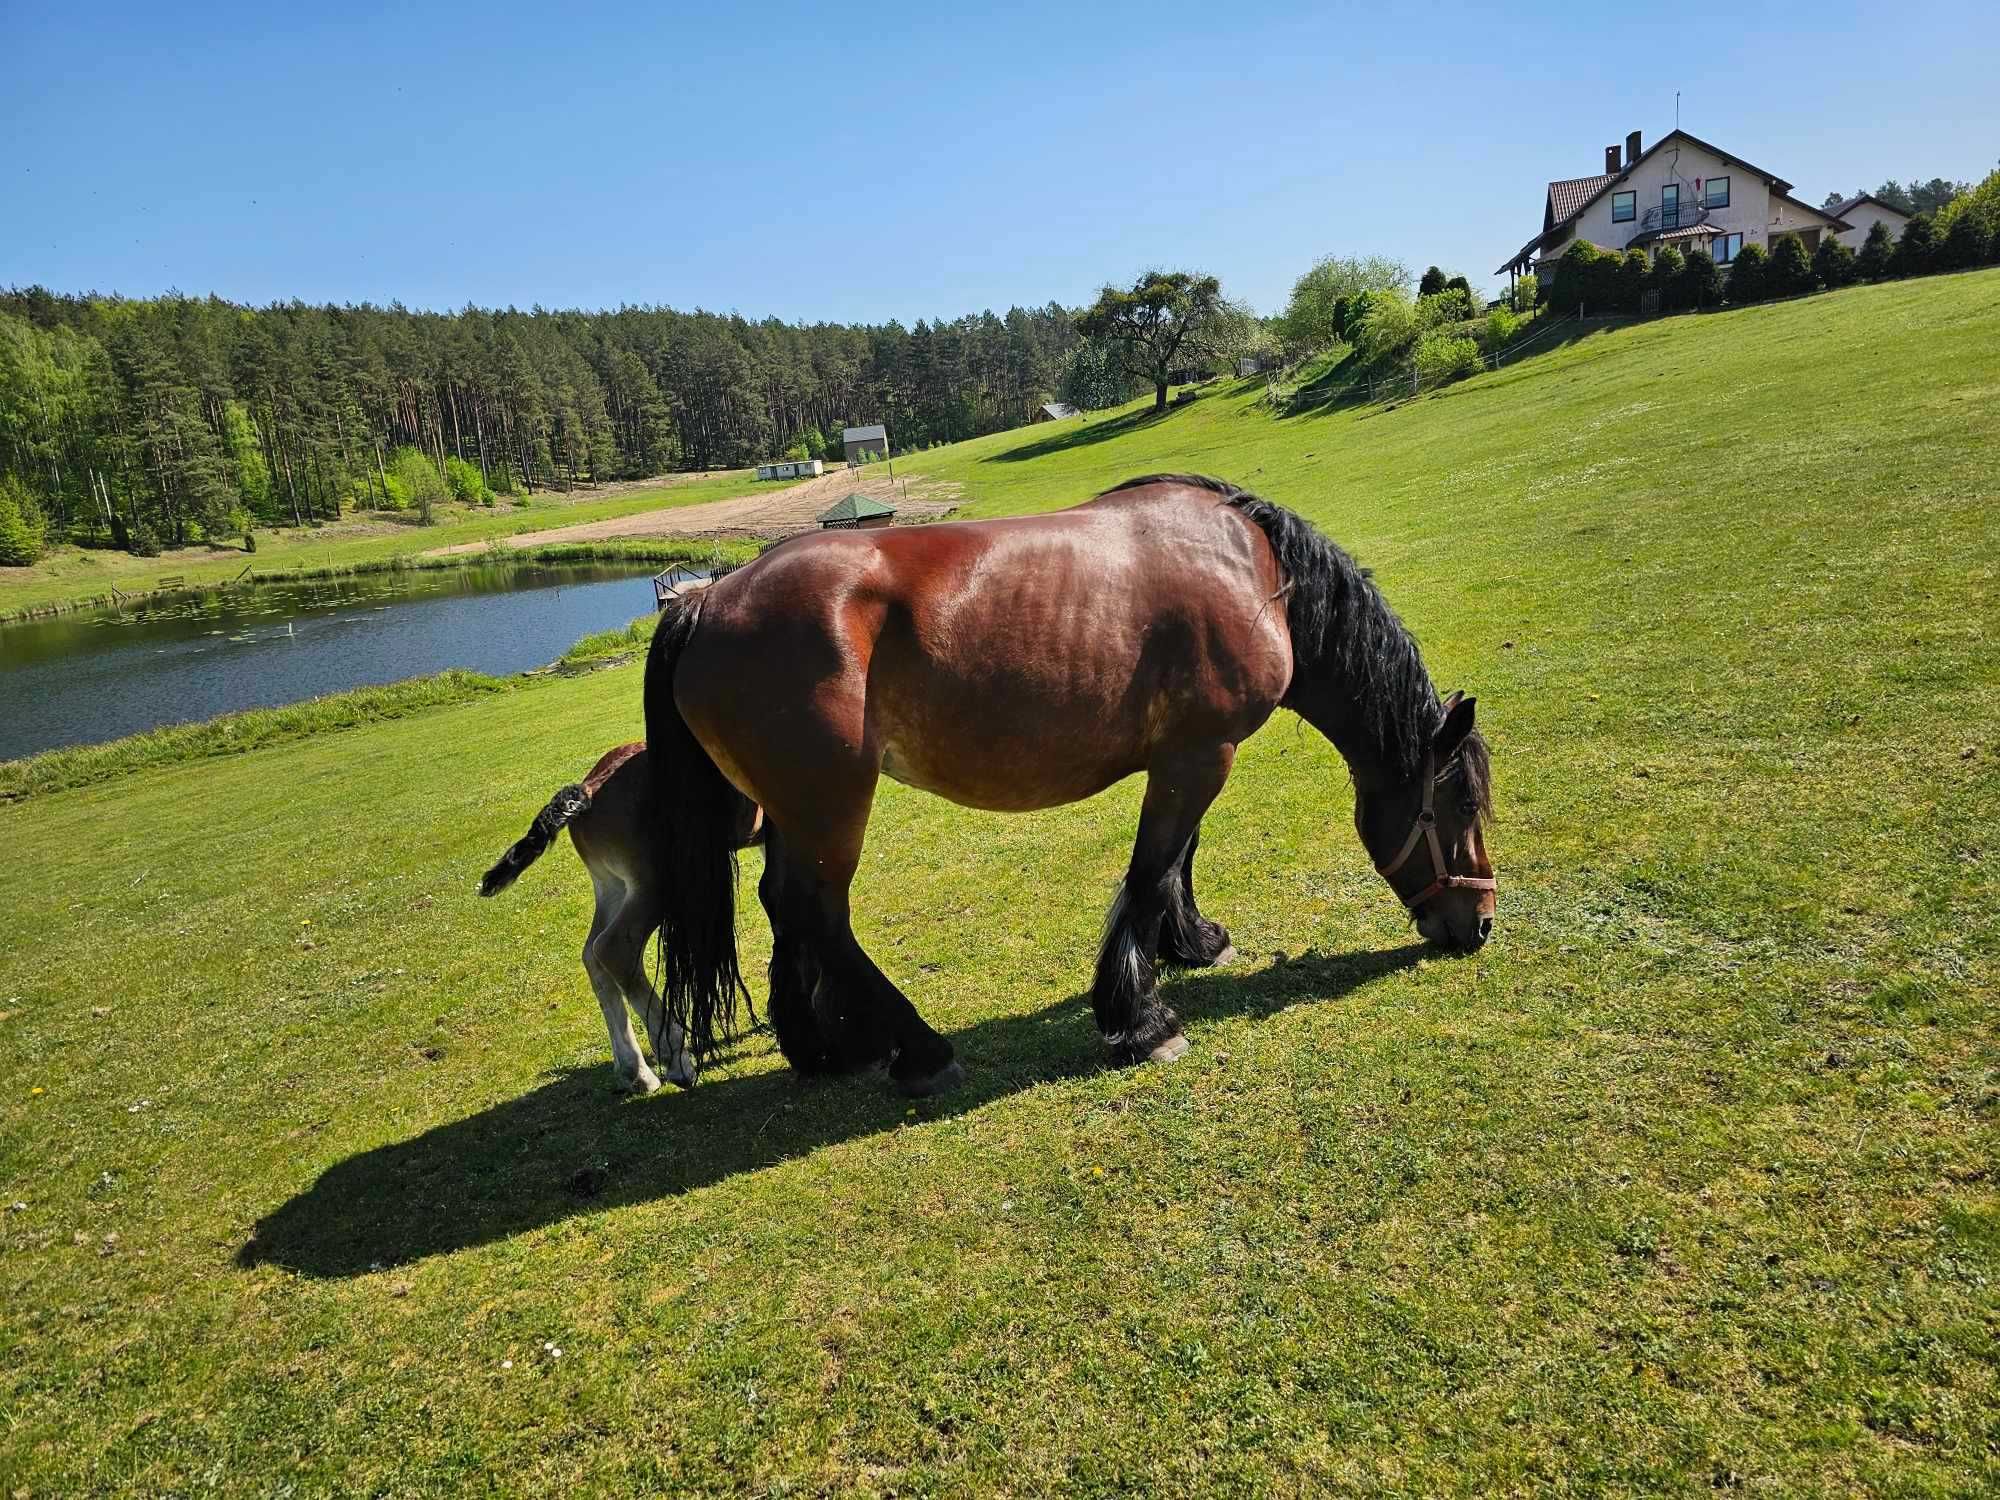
pixel 1125 992
pixel 825 1010
pixel 603 963
pixel 1188 940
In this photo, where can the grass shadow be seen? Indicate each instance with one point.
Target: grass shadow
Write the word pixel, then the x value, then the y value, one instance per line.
pixel 569 1148
pixel 1083 435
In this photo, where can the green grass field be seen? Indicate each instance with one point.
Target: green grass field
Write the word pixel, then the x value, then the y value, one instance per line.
pixel 1685 1182
pixel 74 575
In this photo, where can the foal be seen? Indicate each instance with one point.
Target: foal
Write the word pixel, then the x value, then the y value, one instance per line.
pixel 609 819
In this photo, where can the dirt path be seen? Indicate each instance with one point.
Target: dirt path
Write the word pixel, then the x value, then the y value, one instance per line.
pixel 767 516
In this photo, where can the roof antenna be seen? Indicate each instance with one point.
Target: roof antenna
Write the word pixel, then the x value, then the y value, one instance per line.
pixel 1677 109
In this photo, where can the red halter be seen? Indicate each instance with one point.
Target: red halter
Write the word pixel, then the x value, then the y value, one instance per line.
pixel 1425 829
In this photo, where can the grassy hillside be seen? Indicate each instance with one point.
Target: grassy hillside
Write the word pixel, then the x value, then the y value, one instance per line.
pixel 1684 1182
pixel 74 575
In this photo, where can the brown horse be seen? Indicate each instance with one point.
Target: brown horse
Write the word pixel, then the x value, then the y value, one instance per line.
pixel 1021 664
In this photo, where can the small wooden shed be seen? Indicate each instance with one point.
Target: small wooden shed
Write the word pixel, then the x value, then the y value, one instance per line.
pixel 865 444
pixel 857 513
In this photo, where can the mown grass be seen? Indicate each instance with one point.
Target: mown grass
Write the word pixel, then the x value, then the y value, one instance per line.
pixel 73 576
pixel 1685 1182
pixel 238 733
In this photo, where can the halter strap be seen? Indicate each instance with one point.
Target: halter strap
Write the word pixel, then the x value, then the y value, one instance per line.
pixel 1424 830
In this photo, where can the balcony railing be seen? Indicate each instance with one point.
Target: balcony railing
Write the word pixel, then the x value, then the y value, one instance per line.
pixel 1673 216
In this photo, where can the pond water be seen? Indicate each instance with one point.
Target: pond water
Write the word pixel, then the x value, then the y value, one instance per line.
pixel 79 678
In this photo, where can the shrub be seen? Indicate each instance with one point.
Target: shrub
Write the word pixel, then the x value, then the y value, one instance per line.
pixel 145 541
pixel 1388 327
pixel 1634 271
pixel 1432 283
pixel 1665 277
pixel 1701 281
pixel 1527 292
pixel 1790 270
pixel 1501 325
pixel 22 532
pixel 1981 203
pixel 1573 282
pixel 418 480
pixel 1448 306
pixel 1916 251
pixel 1832 263
pixel 467 484
pixel 1749 279
pixel 1872 264
pixel 1459 283
pixel 1443 356
pixel 1963 245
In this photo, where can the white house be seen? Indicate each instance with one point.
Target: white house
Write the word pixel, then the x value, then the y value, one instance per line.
pixel 1862 214
pixel 1682 192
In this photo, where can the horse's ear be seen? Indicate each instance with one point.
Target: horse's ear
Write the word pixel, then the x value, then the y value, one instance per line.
pixel 1457 725
pixel 1452 700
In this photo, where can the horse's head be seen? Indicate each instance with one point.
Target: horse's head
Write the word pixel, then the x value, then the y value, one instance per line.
pixel 1424 834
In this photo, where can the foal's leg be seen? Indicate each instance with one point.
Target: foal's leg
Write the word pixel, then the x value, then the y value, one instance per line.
pixel 602 963
pixel 625 952
pixel 1125 992
pixel 1188 940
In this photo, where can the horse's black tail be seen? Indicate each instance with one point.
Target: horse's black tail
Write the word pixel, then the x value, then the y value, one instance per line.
pixel 568 804
pixel 696 830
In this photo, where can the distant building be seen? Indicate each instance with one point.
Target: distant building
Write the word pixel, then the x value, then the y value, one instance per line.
pixel 1055 411
pixel 1681 192
pixel 857 513
pixel 865 444
pixel 1864 213
pixel 791 468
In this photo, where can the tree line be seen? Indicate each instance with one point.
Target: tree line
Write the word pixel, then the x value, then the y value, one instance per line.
pixel 158 421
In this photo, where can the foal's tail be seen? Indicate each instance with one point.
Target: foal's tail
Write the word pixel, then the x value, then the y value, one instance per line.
pixel 568 804
pixel 698 825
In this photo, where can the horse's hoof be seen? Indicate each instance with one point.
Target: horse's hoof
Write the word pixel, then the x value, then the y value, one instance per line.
pixel 645 1081
pixel 1225 958
pixel 1171 1048
pixel 945 1079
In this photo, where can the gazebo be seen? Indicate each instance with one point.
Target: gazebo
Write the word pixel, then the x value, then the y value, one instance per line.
pixel 857 512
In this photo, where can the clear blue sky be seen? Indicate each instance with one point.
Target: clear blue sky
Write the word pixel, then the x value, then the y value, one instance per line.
pixel 898 160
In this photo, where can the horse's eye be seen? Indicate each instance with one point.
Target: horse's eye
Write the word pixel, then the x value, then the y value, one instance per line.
pixel 1467 808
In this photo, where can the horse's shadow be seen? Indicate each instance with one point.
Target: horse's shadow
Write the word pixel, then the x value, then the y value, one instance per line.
pixel 568 1148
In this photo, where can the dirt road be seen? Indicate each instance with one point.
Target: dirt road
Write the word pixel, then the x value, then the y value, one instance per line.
pixel 768 515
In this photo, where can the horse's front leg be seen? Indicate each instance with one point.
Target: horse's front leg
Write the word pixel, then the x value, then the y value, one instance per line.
pixel 1125 992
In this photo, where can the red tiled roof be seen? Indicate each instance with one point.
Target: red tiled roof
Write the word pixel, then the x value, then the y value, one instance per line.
pixel 1571 193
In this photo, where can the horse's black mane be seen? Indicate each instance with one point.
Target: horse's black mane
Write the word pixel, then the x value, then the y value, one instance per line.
pixel 1343 630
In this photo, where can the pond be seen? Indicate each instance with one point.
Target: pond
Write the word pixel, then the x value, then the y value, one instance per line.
pixel 79 678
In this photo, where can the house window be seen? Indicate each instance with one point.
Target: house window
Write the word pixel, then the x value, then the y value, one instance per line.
pixel 1726 247
pixel 1670 206
pixel 1715 192
pixel 1624 207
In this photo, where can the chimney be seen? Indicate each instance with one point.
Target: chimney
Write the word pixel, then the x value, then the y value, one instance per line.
pixel 1610 158
pixel 1631 150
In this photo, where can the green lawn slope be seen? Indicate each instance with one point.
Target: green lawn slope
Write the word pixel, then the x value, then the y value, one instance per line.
pixel 1685 1182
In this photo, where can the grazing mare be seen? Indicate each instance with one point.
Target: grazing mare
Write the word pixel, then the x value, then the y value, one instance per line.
pixel 610 817
pixel 1020 664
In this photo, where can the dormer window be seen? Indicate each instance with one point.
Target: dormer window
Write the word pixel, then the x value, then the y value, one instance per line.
pixel 1624 207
